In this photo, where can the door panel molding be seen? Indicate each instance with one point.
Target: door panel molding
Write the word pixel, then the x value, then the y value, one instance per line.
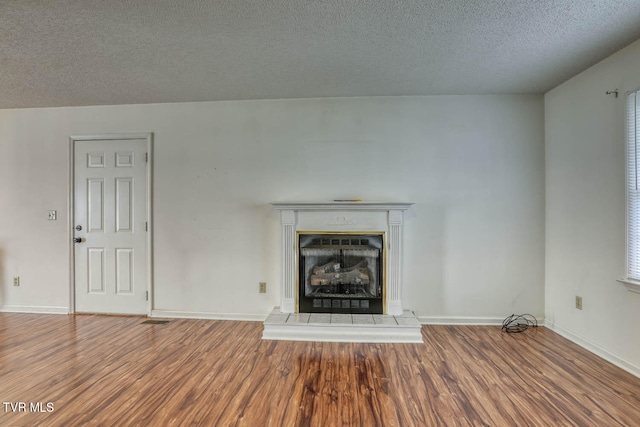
pixel 122 160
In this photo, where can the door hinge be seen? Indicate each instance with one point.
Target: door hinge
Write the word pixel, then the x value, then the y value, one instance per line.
pixel 146 226
pixel 146 157
pixel 146 295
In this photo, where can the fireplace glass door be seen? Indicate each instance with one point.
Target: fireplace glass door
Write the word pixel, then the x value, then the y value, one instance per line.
pixel 340 273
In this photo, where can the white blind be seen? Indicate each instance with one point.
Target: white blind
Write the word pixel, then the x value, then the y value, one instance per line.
pixel 633 196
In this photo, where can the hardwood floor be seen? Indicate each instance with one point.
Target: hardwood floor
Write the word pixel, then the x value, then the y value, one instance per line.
pixel 116 371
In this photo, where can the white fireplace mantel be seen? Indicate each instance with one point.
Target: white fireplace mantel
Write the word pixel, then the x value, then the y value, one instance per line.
pixel 343 216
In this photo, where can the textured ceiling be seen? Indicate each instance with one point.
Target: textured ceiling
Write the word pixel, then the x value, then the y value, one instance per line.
pixel 96 52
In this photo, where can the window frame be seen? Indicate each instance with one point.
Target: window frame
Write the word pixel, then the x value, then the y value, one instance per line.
pixel 632 192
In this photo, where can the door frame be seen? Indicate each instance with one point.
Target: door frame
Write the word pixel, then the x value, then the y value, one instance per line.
pixel 148 136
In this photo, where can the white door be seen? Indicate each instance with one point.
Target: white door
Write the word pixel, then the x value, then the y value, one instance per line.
pixel 110 220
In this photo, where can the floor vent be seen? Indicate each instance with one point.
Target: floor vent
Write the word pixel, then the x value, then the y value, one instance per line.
pixel 156 322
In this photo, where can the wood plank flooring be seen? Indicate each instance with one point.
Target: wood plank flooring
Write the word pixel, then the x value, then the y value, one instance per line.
pixel 116 371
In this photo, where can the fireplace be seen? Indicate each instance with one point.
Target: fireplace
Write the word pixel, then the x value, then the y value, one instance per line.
pixel 371 261
pixel 340 273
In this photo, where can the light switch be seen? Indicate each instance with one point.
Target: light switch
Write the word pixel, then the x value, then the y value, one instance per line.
pixel 53 215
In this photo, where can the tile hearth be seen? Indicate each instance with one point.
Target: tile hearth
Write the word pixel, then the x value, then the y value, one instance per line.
pixel 338 327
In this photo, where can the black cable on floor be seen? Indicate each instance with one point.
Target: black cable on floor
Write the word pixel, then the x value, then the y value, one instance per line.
pixel 518 323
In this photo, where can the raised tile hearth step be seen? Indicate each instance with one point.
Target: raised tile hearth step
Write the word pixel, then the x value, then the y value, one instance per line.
pixel 338 327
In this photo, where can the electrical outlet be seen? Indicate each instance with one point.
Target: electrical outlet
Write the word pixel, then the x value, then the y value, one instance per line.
pixel 578 302
pixel 16 281
pixel 53 215
pixel 263 287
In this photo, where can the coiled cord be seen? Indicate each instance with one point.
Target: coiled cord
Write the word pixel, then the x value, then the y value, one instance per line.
pixel 518 323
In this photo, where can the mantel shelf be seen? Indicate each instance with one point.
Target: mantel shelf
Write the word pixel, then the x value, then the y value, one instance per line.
pixel 350 206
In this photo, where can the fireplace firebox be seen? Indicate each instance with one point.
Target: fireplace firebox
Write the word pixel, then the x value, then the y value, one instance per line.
pixel 340 273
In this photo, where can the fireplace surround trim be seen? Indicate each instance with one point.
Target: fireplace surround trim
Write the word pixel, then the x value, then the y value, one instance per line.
pixel 342 216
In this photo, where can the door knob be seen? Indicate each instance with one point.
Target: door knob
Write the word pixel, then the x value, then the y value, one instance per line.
pixel 77 240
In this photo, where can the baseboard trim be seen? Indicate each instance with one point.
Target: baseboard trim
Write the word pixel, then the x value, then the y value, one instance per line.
pixel 33 309
pixel 478 321
pixel 595 349
pixel 173 314
pixel 442 320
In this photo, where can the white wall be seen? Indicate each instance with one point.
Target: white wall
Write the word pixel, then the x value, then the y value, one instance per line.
pixel 473 164
pixel 585 210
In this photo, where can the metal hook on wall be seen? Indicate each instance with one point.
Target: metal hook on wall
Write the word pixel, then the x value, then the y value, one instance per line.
pixel 612 92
